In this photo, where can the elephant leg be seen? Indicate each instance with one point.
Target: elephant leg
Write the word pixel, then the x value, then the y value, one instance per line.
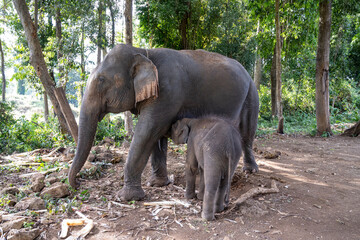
pixel 159 175
pixel 190 173
pixel 211 187
pixel 147 132
pixel 222 194
pixel 200 194
pixel 248 125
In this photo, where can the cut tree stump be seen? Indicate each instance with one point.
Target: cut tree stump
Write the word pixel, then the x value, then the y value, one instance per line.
pixel 354 131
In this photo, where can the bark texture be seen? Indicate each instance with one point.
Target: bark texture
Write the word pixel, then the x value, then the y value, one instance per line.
pixel 258 63
pixel 129 126
pixel 65 108
pixel 3 72
pixel 322 69
pixel 278 70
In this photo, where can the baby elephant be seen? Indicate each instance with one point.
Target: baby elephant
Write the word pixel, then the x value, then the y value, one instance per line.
pixel 213 146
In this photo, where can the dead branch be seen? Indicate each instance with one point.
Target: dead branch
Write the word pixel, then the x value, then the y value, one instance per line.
pixel 168 203
pixel 256 191
pixel 34 173
pixel 123 205
pixel 10 217
pixel 69 222
pixel 76 222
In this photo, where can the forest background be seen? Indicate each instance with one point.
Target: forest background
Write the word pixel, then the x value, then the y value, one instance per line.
pixel 76 35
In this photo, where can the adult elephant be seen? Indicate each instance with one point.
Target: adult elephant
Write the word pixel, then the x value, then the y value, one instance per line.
pixel 162 86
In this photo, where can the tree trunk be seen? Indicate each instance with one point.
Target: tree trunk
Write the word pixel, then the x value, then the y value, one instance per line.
pixel 82 65
pixel 36 10
pixel 46 107
pixel 278 70
pixel 46 104
pixel 112 15
pixel 65 108
pixel 128 22
pixel 258 60
pixel 322 69
pixel 273 84
pixel 62 81
pixel 100 31
pixel 129 126
pixel 354 131
pixel 3 72
pixel 37 59
pixel 184 26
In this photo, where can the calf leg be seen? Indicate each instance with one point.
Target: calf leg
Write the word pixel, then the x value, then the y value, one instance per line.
pixel 159 175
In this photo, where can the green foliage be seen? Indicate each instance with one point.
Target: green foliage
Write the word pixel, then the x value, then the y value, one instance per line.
pixel 19 135
pixel 114 129
pixel 61 205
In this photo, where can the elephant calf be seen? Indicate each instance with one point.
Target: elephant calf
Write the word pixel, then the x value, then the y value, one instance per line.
pixel 214 146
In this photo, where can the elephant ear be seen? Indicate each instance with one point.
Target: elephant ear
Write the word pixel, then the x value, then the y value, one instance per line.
pixel 146 81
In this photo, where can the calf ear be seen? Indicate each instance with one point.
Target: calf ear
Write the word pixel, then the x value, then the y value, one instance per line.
pixel 146 81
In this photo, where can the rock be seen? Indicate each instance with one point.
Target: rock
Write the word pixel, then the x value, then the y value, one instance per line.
pixel 107 141
pixel 271 155
pixel 117 158
pixel 23 234
pixel 10 190
pixel 63 172
pixel 34 203
pixel 91 157
pixel 11 200
pixel 89 169
pixel 51 180
pixel 37 182
pixel 105 156
pixel 37 177
pixel 57 190
pixel 14 224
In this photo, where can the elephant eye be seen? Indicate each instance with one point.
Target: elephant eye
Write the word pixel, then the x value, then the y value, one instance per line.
pixel 101 79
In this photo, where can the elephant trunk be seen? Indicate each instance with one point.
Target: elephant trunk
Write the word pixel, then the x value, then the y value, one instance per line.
pixel 87 129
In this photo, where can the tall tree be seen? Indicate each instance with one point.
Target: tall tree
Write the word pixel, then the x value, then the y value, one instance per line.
pixel 112 10
pixel 3 72
pixel 38 62
pixel 36 20
pixel 278 70
pixel 258 60
pixel 128 40
pixel 322 69
pixel 58 30
pixel 100 30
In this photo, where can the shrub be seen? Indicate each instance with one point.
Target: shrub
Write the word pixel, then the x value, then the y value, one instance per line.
pixel 114 129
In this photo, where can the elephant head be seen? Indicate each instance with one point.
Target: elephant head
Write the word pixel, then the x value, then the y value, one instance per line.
pixel 180 131
pixel 124 78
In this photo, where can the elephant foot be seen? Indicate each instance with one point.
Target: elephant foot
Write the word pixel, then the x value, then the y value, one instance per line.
pixel 131 193
pixel 219 208
pixel 250 167
pixel 74 183
pixel 158 181
pixel 190 195
pixel 207 216
pixel 200 196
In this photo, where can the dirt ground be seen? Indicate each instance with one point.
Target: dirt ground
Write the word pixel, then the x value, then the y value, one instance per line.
pixel 319 189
